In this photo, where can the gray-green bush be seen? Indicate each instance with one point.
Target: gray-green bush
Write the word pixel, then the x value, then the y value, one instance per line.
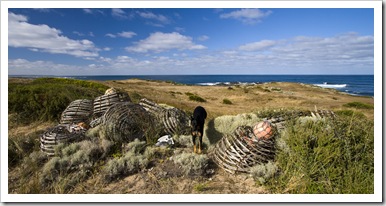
pixel 192 164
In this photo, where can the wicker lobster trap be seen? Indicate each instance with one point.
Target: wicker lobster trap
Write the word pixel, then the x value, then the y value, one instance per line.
pixel 126 121
pixel 62 133
pixel 77 111
pixel 172 120
pixel 246 147
pixel 111 97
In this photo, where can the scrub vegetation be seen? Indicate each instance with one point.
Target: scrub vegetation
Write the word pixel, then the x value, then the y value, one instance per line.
pixel 313 156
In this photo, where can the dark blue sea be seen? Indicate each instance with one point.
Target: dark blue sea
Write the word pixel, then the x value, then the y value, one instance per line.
pixel 362 85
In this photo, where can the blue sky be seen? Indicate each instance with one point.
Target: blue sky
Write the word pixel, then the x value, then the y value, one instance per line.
pixel 190 41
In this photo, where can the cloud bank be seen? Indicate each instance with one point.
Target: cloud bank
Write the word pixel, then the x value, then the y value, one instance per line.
pixel 45 39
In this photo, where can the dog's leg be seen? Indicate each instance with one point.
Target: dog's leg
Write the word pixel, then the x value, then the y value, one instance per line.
pixel 194 143
pixel 200 144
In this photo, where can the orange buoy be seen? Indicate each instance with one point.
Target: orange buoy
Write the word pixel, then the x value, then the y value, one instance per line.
pixel 263 130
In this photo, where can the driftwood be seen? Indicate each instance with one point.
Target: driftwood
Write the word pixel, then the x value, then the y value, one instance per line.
pixel 240 151
pixel 126 121
pixel 171 120
pixel 77 111
pixel 111 97
pixel 62 133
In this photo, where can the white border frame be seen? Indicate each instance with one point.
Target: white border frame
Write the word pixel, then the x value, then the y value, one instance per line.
pixel 378 142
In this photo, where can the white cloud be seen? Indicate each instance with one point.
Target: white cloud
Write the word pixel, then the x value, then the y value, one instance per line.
pixel 345 54
pixel 124 34
pixel 127 34
pixel 45 39
pixel 87 11
pixel 45 10
pixel 93 11
pixel 111 35
pixel 248 16
pixel 203 38
pixel 179 29
pixel 158 42
pixel 151 16
pixel 78 33
pixel 260 45
pixel 119 13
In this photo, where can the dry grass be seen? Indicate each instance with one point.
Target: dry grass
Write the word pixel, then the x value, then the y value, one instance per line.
pixel 281 95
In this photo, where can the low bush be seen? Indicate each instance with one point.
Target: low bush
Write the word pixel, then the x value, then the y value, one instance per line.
pixel 227 124
pixel 264 172
pixel 195 97
pixel 132 161
pixel 73 164
pixel 323 157
pixel 226 101
pixel 46 98
pixel 359 105
pixel 192 164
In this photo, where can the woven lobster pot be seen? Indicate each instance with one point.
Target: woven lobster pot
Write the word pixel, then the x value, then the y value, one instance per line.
pixel 77 111
pixel 171 120
pixel 175 121
pixel 102 103
pixel 62 133
pixel 151 107
pixel 126 121
pixel 240 151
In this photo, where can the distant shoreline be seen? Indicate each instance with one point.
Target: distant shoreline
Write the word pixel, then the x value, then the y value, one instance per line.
pixel 358 85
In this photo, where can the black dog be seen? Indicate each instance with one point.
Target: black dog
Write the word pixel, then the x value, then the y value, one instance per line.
pixel 197 129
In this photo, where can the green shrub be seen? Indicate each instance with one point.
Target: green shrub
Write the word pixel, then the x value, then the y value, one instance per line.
pixel 264 172
pixel 46 98
pixel 189 94
pixel 195 97
pixel 192 164
pixel 200 187
pixel 350 113
pixel 227 124
pixel 132 161
pixel 135 97
pixel 359 105
pixel 74 163
pixel 226 101
pixel 21 146
pixel 324 157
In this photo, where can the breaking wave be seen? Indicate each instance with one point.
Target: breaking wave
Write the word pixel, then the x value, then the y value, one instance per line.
pixel 333 86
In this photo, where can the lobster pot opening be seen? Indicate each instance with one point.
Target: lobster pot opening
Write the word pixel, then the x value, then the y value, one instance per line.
pixel 62 133
pixel 240 151
pixel 126 121
pixel 175 121
pixel 102 103
pixel 77 111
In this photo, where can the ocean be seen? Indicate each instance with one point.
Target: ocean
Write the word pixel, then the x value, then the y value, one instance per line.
pixel 362 85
